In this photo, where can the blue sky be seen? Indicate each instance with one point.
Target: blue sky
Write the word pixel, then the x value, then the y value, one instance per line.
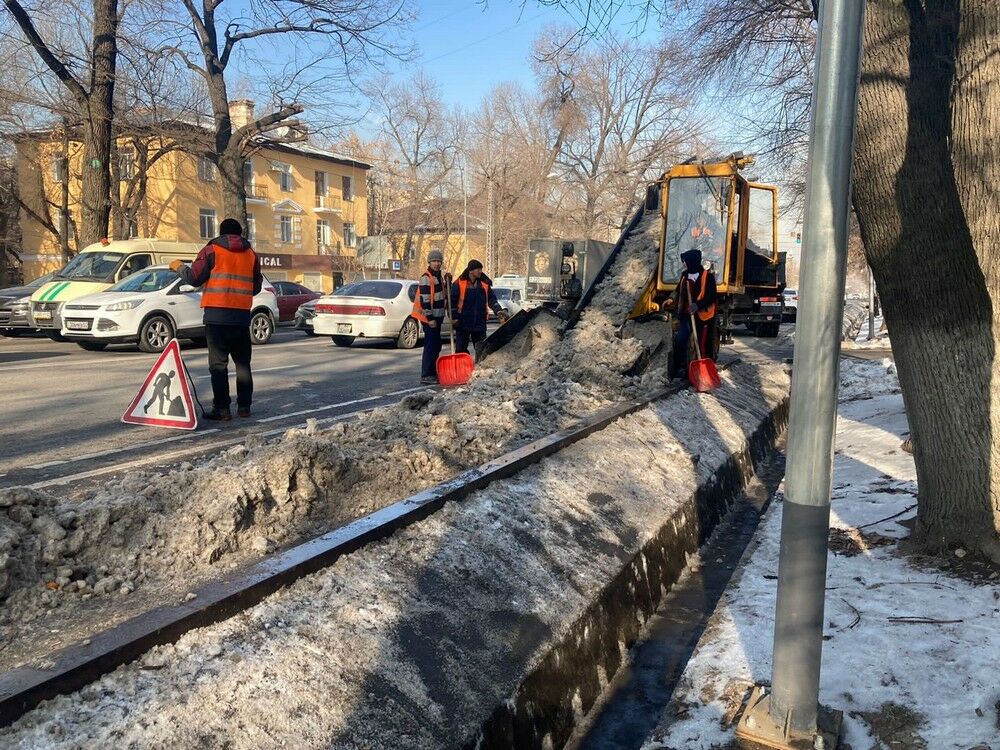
pixel 468 48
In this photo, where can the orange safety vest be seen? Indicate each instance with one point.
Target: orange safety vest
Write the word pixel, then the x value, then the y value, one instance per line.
pixel 704 314
pixel 463 285
pixel 230 283
pixel 418 308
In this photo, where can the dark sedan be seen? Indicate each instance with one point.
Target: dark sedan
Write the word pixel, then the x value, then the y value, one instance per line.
pixel 15 317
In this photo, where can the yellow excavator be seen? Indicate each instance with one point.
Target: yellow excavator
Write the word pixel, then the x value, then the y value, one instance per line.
pixel 709 206
pixel 733 221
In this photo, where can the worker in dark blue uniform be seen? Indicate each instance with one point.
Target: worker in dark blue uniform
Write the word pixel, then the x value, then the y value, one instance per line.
pixel 471 298
pixel 694 297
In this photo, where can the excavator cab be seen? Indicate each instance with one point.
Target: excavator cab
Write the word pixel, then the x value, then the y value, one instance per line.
pixel 734 222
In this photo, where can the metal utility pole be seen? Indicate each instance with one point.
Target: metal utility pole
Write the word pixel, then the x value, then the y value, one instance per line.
pixel 490 238
pixel 789 714
pixel 465 217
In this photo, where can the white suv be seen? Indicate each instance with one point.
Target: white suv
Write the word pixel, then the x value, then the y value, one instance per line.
pixel 150 308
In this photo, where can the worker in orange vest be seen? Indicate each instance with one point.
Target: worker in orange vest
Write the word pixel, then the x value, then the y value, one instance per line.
pixel 228 270
pixel 695 295
pixel 471 297
pixel 429 309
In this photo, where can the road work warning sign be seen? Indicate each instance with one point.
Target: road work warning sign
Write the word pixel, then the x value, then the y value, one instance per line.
pixel 164 400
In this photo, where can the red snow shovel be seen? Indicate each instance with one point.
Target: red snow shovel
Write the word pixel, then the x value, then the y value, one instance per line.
pixel 701 372
pixel 454 369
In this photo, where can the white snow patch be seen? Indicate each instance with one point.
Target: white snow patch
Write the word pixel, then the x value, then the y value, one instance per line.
pixel 945 672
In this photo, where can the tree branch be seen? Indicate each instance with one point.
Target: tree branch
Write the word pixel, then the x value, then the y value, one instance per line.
pixel 54 64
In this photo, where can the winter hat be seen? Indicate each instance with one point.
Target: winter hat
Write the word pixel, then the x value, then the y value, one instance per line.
pixel 230 226
pixel 691 258
pixel 473 265
pixel 434 255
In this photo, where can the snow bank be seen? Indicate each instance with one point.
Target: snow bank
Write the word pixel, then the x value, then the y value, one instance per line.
pixel 929 682
pixel 69 565
pixel 862 379
pixel 414 641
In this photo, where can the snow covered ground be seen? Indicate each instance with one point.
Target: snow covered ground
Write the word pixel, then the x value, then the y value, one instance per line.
pixel 910 652
pixel 412 642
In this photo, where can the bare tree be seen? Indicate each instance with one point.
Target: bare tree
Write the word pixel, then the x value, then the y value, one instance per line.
pixel 93 95
pixel 423 139
pixel 208 40
pixel 926 198
pixel 632 118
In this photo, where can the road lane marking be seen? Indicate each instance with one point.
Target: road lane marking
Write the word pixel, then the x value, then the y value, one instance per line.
pixel 164 458
pixel 335 406
pixel 112 451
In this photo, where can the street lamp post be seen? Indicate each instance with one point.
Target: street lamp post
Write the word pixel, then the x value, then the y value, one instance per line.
pixel 788 715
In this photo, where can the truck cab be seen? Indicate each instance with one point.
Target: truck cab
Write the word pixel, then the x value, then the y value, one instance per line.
pixel 733 221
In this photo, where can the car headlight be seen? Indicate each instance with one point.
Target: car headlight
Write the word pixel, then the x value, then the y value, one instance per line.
pixel 129 304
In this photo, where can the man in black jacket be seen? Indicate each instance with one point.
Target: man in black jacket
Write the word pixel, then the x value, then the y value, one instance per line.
pixel 229 271
pixel 471 296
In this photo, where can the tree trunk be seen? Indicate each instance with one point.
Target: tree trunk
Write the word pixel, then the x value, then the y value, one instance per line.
pixel 234 191
pixel 929 211
pixel 95 195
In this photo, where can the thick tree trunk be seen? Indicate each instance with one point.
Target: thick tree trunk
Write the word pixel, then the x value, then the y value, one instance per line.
pixel 926 199
pixel 95 191
pixel 234 191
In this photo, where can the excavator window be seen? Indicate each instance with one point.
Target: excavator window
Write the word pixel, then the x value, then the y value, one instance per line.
pixel 760 226
pixel 697 218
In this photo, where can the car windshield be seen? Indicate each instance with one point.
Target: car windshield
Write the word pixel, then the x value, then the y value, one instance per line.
pixel 149 280
pixel 379 289
pixel 95 266
pixel 502 293
pixel 40 282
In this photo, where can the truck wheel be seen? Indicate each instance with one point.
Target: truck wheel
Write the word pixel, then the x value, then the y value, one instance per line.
pixel 769 330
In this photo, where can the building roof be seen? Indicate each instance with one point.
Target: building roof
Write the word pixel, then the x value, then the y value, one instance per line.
pixel 434 216
pixel 314 152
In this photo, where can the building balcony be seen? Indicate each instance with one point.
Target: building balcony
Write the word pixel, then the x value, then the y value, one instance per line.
pixel 257 194
pixel 328 204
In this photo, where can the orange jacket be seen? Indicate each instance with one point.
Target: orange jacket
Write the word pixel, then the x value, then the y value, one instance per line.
pixel 230 283
pixel 705 312
pixel 429 302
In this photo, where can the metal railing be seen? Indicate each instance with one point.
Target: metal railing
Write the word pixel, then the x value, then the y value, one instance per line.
pixel 257 192
pixel 329 203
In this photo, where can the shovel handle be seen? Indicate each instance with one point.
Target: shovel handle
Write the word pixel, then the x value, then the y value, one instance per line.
pixel 447 311
pixel 694 335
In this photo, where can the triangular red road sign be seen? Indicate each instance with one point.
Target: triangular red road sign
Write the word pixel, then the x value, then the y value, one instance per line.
pixel 164 400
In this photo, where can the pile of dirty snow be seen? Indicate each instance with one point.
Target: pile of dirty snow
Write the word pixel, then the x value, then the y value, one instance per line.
pixel 413 642
pixel 861 379
pixel 71 565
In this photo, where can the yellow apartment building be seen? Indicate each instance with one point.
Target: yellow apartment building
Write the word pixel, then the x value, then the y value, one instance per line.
pixel 307 207
pixel 440 225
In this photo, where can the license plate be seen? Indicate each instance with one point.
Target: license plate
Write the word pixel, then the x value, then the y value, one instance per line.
pixel 343 327
pixel 78 325
pixel 770 304
pixel 43 316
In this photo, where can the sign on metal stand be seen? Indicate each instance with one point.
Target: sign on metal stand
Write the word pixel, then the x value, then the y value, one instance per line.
pixel 788 714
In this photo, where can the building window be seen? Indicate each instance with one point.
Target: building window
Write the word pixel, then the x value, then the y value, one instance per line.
pixel 284 175
pixel 207 216
pixel 248 173
pixel 322 234
pixel 58 168
pixel 321 183
pixel 206 169
pixel 350 239
pixel 347 187
pixel 126 164
pixel 286 229
pixel 251 228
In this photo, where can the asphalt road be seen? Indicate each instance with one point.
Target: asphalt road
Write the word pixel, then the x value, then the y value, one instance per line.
pixel 61 406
